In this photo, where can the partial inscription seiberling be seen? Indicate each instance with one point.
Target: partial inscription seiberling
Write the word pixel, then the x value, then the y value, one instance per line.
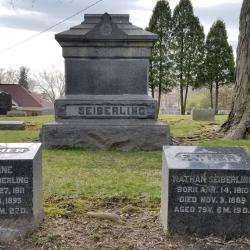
pixel 20 188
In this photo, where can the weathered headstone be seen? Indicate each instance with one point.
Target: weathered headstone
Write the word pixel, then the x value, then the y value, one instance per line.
pixel 12 125
pixel 202 114
pixel 206 191
pixel 106 103
pixel 20 188
pixel 5 103
pixel 16 113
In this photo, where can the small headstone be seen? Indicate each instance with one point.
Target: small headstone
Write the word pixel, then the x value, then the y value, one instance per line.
pixel 206 191
pixel 15 113
pixel 170 111
pixel 20 188
pixel 203 114
pixel 12 125
pixel 5 103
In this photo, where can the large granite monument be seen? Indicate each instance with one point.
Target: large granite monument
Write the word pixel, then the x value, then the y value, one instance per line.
pixel 21 197
pixel 206 191
pixel 106 103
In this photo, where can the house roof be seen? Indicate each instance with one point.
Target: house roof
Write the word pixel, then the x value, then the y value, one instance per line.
pixel 20 95
pixel 41 98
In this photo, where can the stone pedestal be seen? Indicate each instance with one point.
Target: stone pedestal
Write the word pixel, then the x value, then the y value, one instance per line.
pixel 21 198
pixel 104 134
pixel 106 105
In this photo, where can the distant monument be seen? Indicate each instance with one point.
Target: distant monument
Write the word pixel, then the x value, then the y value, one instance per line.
pixel 203 115
pixel 106 104
pixel 5 103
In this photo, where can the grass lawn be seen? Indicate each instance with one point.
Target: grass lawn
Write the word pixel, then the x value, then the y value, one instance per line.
pixel 31 133
pixel 229 143
pixel 104 175
pixel 184 126
pixel 101 176
pixel 75 180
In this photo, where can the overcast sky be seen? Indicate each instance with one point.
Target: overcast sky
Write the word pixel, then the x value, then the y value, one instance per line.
pixel 25 18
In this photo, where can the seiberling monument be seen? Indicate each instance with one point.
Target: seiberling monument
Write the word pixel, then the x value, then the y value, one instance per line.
pixel 106 103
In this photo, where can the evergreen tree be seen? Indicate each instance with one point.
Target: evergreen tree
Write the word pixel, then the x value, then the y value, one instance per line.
pixel 23 77
pixel 160 63
pixel 220 66
pixel 188 41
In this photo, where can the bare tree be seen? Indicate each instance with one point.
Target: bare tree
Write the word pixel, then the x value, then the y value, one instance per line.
pixel 9 76
pixel 51 83
pixel 238 124
pixel 2 71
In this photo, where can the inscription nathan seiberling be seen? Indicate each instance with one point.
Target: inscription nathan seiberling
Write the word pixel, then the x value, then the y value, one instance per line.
pixel 207 194
pixel 212 193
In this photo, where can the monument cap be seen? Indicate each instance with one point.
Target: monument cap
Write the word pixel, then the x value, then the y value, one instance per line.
pixel 106 27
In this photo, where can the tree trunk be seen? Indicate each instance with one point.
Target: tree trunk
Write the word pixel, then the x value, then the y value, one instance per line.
pixel 181 78
pixel 238 124
pixel 153 91
pixel 159 90
pixel 216 108
pixel 185 99
pixel 151 86
pixel 211 96
pixel 159 99
pixel 181 95
pixel 160 80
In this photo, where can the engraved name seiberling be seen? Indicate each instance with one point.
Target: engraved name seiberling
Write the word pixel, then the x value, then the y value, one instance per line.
pixel 119 111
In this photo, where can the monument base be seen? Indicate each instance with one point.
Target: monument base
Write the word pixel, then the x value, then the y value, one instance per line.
pixel 121 135
pixel 12 229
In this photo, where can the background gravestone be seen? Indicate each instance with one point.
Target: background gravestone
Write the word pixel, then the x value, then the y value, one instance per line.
pixel 106 103
pixel 20 188
pixel 202 114
pixel 206 191
pixel 12 125
pixel 5 103
pixel 16 113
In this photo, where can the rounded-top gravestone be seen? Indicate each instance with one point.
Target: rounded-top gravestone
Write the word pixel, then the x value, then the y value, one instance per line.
pixel 5 103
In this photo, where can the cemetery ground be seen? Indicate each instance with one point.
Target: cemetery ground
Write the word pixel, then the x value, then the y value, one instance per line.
pixel 127 184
